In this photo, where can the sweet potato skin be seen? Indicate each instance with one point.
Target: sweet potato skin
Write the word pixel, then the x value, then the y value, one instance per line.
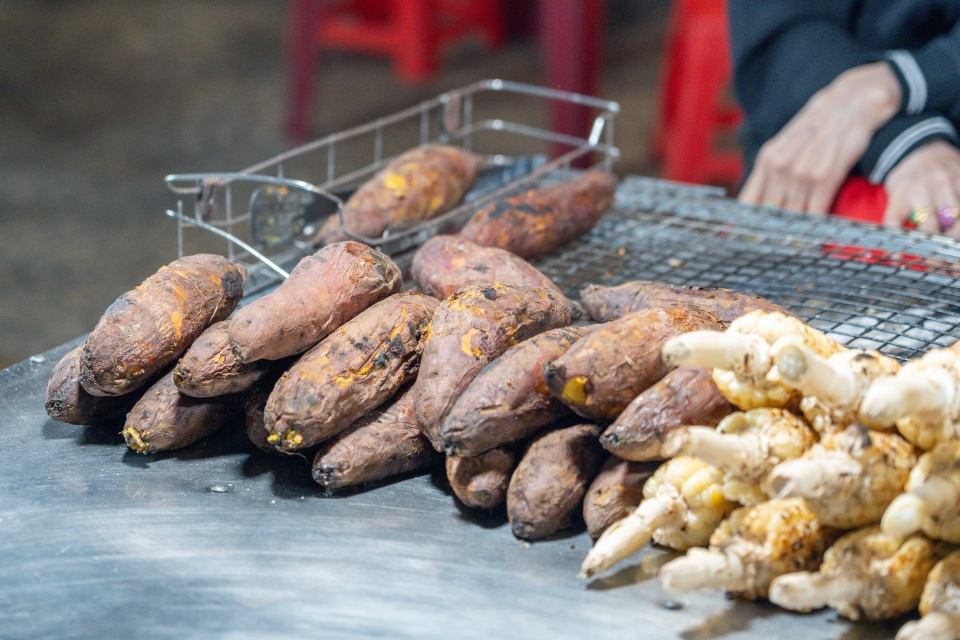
pixel 165 419
pixel 469 329
pixel 604 371
pixel 539 221
pixel 551 479
pixel 445 264
pixel 354 370
pixel 145 330
pixel 253 412
pixel 481 482
pixel 615 493
pixel 66 400
pixel 420 184
pixel 685 396
pixel 508 401
pixel 323 291
pixel 380 445
pixel 209 368
pixel 611 303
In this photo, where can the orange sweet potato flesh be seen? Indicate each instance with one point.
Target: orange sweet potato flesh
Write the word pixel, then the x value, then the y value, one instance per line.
pixel 508 401
pixel 165 419
pixel 470 329
pixel 323 291
pixel 145 330
pixel 685 396
pixel 445 264
pixel 353 371
pixel 549 484
pixel 610 303
pixel 66 400
pixel 481 482
pixel 420 184
pixel 380 445
pixel 615 493
pixel 209 368
pixel 539 221
pixel 605 370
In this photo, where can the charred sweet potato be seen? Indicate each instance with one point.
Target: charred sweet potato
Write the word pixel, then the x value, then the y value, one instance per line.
pixel 67 401
pixel 145 330
pixel 615 493
pixel 605 370
pixel 481 482
pixel 538 221
pixel 551 479
pixel 323 291
pixel 253 410
pixel 420 184
pixel 685 396
pixel 165 419
pixel 354 370
pixel 445 264
pixel 508 401
pixel 382 444
pixel 469 329
pixel 610 303
pixel 209 368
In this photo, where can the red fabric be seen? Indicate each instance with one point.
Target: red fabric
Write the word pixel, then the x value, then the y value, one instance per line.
pixel 861 201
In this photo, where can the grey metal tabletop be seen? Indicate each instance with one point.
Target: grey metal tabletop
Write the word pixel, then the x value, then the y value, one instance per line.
pixel 219 540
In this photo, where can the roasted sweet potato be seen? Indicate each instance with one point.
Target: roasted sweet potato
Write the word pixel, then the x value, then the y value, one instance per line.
pixel 253 410
pixel 145 330
pixel 610 303
pixel 481 482
pixel 445 264
pixel 382 444
pixel 551 479
pixel 165 419
pixel 209 368
pixel 420 184
pixel 615 493
pixel 685 396
pixel 67 401
pixel 323 291
pixel 600 374
pixel 469 329
pixel 538 221
pixel 354 370
pixel 508 400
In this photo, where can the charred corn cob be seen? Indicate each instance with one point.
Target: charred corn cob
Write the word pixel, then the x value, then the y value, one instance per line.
pixel 865 574
pixel 849 478
pixel 932 501
pixel 939 604
pixel 745 447
pixel 683 503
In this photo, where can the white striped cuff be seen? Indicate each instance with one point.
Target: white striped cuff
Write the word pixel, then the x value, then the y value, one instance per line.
pixel 916 100
pixel 905 141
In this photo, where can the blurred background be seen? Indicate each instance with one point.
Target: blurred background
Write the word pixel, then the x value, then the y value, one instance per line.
pixel 100 99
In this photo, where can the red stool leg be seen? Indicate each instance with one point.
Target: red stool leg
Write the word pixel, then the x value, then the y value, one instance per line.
pixel 416 55
pixel 670 82
pixel 303 16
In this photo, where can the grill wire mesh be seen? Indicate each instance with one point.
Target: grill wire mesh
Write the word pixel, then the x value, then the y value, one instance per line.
pixel 867 287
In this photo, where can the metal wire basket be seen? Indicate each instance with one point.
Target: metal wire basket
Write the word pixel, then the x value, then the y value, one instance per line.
pixel 481 117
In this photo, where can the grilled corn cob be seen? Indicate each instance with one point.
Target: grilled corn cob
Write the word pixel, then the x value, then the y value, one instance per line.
pixel 745 446
pixel 865 574
pixel 939 604
pixel 683 503
pixel 849 478
pixel 932 501
pixel 752 547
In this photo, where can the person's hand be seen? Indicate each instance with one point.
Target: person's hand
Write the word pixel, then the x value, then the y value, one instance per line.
pixel 926 181
pixel 803 166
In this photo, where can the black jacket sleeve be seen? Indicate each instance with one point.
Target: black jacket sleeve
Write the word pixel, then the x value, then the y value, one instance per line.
pixel 784 51
pixel 896 139
pixel 930 76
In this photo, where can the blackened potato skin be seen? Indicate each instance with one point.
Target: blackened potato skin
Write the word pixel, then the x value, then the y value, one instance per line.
pixel 67 401
pixel 145 330
pixel 481 482
pixel 323 291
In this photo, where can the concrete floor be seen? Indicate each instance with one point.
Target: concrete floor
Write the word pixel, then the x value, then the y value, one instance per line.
pixel 100 99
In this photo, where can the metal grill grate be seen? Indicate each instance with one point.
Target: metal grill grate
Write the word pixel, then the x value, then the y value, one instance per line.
pixel 867 287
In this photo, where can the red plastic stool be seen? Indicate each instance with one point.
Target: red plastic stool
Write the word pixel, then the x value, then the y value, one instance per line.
pixel 861 201
pixel 696 74
pixel 411 32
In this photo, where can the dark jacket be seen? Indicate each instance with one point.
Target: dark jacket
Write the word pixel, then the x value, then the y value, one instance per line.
pixel 784 51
